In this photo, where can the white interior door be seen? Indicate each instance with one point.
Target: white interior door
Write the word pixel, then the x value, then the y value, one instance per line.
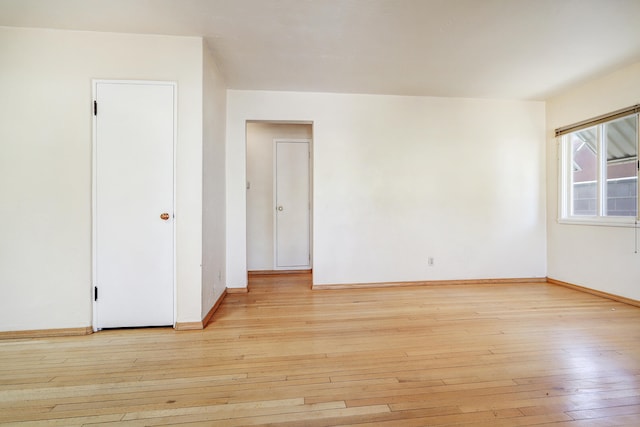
pixel 292 205
pixel 133 204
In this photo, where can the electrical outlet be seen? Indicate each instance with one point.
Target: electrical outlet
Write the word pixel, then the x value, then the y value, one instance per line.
pixel 430 261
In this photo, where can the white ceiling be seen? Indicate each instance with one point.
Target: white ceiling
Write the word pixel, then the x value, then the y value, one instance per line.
pixel 516 49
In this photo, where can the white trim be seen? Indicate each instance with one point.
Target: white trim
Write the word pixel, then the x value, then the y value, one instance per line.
pixel 601 172
pixel 637 169
pixel 94 200
pixel 175 187
pixel 565 160
pixel 608 221
pixel 94 84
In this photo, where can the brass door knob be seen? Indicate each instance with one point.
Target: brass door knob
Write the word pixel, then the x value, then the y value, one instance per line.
pixel 164 216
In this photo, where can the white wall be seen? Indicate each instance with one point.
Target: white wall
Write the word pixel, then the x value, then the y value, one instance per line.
pixel 596 257
pixel 260 209
pixel 399 179
pixel 45 166
pixel 213 214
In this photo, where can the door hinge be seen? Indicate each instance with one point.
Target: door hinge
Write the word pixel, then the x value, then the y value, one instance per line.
pixel 95 293
pixel 95 108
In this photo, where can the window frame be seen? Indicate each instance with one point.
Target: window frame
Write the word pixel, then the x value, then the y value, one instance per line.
pixel 565 174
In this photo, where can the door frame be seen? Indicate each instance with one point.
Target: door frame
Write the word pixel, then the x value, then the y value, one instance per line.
pixel 94 182
pixel 309 143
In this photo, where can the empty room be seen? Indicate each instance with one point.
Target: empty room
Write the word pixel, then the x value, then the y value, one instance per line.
pixel 319 213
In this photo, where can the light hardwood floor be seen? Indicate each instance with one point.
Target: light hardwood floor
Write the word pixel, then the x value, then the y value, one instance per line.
pixel 456 355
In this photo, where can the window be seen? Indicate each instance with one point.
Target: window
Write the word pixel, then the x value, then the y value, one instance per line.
pixel 599 168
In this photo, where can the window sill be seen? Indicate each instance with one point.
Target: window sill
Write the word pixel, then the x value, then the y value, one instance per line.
pixel 627 222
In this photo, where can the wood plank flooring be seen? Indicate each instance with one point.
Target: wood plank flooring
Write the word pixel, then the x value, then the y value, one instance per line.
pixel 451 355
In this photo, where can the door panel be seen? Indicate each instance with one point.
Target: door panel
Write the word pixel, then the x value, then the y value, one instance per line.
pixel 292 229
pixel 134 140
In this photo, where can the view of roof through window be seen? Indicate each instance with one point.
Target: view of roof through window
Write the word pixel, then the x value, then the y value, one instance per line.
pixel 619 146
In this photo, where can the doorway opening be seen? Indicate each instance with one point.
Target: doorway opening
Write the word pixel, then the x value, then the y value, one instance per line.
pixel 279 189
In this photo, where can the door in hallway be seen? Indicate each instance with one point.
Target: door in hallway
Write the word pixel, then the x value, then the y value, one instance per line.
pixel 292 205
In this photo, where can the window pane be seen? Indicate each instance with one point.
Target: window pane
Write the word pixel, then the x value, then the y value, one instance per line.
pixel 585 160
pixel 622 154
